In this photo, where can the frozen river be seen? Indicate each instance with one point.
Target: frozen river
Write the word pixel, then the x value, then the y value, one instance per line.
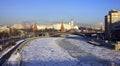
pixel 67 51
pixel 84 57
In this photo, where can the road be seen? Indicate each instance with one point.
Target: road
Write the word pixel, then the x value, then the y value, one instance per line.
pixel 15 49
pixel 7 55
pixel 9 39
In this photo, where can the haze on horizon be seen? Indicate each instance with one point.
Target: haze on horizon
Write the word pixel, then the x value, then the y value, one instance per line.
pixel 50 11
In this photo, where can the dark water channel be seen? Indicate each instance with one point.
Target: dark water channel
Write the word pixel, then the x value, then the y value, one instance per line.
pixel 82 56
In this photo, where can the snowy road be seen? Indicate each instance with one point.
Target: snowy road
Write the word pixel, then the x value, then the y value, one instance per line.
pixel 68 51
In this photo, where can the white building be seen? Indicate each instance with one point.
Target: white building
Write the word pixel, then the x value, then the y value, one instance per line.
pixel 4 29
pixel 57 26
pixel 18 26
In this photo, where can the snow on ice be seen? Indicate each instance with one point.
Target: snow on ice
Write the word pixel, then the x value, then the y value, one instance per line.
pixel 101 52
pixel 45 52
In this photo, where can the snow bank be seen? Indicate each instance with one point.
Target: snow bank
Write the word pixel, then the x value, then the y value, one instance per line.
pixel 14 60
pixel 45 52
pixel 101 52
pixel 5 51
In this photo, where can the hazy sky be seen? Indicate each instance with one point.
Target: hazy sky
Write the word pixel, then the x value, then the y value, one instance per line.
pixel 50 11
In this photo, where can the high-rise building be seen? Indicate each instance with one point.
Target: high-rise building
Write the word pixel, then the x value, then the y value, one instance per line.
pixel 112 17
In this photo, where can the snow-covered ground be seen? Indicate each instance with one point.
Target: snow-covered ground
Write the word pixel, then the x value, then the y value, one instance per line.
pixel 14 60
pixel 45 52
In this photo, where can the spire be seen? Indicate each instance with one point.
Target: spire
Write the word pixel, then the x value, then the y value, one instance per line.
pixel 35 28
pixel 62 27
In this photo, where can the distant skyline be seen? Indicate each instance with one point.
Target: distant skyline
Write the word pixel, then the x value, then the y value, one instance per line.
pixel 52 11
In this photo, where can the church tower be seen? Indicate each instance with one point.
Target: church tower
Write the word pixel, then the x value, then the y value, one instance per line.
pixel 35 28
pixel 62 27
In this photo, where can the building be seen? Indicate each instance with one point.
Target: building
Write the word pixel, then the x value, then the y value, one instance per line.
pixel 57 26
pixel 17 26
pixel 111 20
pixel 62 27
pixel 27 26
pixel 4 29
pixel 35 29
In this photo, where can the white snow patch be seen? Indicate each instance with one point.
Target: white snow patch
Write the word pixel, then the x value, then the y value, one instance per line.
pixel 14 60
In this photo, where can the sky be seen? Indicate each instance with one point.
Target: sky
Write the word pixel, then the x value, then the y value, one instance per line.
pixel 52 11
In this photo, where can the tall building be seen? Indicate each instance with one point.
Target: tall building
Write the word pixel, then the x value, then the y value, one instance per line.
pixel 62 27
pixel 110 19
pixel 114 16
pixel 35 28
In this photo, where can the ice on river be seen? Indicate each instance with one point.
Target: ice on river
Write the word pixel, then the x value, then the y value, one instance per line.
pixel 45 52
